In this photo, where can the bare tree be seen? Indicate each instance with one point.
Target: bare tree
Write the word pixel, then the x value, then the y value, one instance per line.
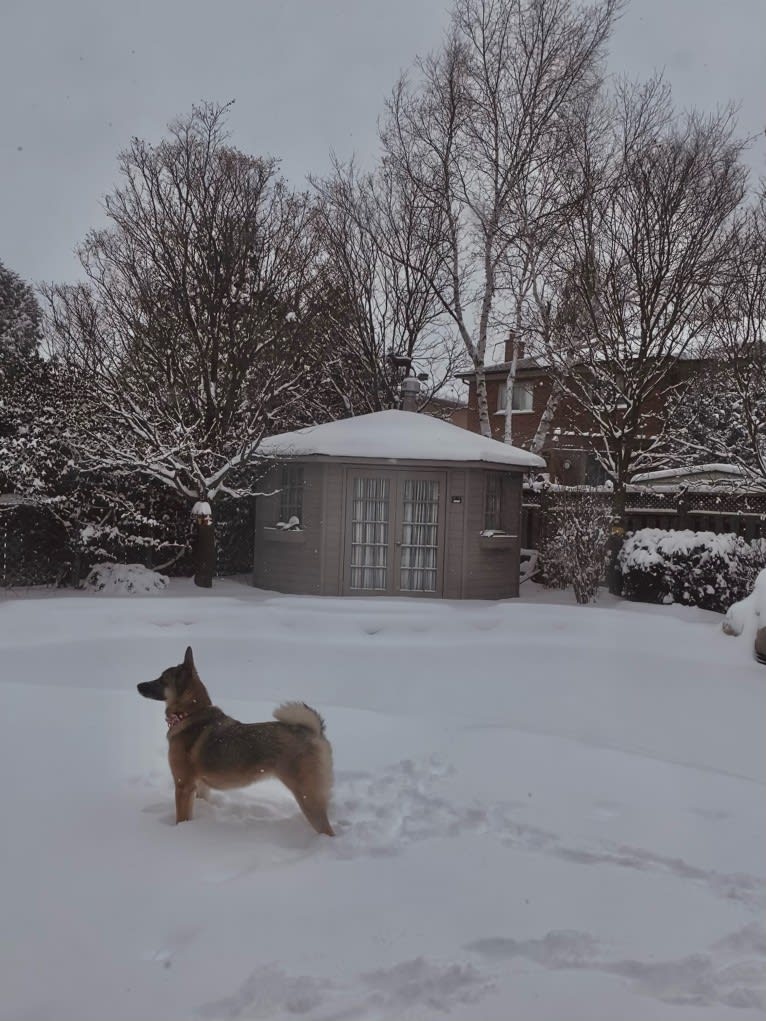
pixel 188 330
pixel 648 243
pixel 722 416
pixel 472 135
pixel 380 251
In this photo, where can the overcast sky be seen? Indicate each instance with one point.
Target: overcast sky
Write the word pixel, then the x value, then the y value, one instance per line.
pixel 80 77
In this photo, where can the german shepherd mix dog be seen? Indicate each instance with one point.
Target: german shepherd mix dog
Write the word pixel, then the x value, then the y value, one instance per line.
pixel 207 748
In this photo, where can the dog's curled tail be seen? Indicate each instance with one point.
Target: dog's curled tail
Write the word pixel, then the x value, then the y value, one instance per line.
pixel 298 714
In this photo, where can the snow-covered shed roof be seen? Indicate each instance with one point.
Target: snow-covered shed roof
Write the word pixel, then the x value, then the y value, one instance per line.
pixel 397 435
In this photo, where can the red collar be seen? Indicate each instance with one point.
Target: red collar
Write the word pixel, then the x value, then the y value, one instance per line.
pixel 173 719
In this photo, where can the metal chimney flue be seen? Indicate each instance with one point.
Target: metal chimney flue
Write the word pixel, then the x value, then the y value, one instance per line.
pixel 409 391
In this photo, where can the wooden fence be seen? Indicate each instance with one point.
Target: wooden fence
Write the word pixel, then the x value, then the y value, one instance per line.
pixel 702 509
pixel 33 548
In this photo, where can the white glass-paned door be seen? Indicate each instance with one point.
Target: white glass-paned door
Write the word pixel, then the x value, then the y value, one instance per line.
pixel 370 524
pixel 419 554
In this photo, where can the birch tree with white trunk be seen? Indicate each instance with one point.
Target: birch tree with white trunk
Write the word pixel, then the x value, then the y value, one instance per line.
pixel 380 251
pixel 470 131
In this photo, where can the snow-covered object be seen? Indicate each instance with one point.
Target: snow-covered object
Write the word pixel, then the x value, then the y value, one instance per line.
pixel 201 509
pixel 528 564
pixel 124 580
pixel 697 568
pixel 749 614
pixel 653 545
pixel 397 435
pixel 543 814
pixel 291 525
pixel 701 472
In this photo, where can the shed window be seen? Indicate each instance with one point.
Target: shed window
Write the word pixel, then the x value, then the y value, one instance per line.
pixel 291 493
pixel 493 501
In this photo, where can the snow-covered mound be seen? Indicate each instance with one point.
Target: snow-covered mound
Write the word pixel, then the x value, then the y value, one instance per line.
pixel 749 614
pixel 124 580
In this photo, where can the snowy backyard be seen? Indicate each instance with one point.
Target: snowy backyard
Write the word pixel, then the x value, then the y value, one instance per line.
pixel 544 811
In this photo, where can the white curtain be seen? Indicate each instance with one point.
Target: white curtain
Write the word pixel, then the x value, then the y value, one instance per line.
pixel 370 516
pixel 420 536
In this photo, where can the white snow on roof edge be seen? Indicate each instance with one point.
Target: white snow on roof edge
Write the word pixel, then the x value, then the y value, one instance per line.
pixel 397 435
pixel 698 469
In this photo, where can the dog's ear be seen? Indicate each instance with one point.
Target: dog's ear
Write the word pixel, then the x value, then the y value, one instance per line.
pixel 189 659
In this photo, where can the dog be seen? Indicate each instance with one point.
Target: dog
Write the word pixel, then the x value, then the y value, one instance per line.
pixel 207 748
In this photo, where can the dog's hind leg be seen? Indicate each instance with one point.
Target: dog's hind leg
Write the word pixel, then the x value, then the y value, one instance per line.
pixel 315 812
pixel 311 799
pixel 203 791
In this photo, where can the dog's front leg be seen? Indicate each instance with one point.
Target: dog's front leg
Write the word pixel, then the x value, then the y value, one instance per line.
pixel 184 800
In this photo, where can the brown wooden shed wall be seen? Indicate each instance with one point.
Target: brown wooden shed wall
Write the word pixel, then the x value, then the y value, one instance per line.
pixel 290 561
pixel 334 518
pixel 311 562
pixel 454 534
pixel 491 572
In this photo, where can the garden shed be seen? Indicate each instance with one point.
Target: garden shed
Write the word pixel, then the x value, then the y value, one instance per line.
pixel 391 503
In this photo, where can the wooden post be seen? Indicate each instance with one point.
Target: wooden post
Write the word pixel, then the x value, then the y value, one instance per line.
pixel 616 539
pixel 203 544
pixel 682 508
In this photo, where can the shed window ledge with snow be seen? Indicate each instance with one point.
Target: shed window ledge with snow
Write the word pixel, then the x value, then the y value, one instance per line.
pixel 497 540
pixel 289 535
pixel 393 503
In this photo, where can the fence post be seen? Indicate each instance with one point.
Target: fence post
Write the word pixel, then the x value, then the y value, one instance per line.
pixel 682 509
pixel 3 551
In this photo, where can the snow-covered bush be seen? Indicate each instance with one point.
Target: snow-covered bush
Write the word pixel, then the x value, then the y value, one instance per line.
pixel 528 564
pixel 124 579
pixel 747 615
pixel 696 568
pixel 573 550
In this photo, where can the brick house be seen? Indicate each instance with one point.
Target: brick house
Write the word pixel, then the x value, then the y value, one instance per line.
pixel 572 438
pixel 448 409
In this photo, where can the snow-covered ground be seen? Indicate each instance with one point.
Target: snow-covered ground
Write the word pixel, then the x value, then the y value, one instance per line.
pixel 544 812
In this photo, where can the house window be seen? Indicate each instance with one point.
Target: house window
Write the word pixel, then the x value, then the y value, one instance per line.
pixel 595 473
pixel 522 400
pixel 493 501
pixel 608 391
pixel 291 493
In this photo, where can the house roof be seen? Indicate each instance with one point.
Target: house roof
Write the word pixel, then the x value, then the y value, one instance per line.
pixel 397 436
pixel 522 365
pixel 449 403
pixel 538 365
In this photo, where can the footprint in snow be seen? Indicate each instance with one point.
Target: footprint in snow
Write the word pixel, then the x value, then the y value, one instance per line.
pixel 732 974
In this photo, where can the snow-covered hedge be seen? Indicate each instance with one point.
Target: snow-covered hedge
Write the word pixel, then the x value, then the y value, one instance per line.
pixel 696 568
pixel 124 579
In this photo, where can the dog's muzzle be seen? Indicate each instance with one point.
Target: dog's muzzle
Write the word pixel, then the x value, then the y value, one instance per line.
pixel 152 689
